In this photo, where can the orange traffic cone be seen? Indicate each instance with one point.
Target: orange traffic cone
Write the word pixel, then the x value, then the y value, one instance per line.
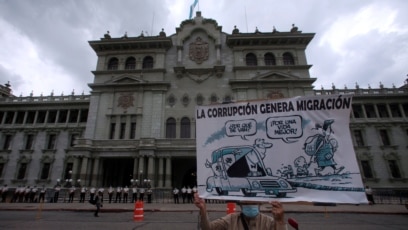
pixel 230 207
pixel 138 214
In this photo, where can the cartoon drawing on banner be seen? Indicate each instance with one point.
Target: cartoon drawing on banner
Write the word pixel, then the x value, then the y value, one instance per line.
pixel 241 168
pixel 294 154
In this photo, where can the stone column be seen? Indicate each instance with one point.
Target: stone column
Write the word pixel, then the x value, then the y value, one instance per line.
pixel 135 167
pixel 167 182
pixel 141 169
pixel 75 170
pixel 127 127
pixel 95 170
pixel 150 168
pixel 160 173
pixel 82 173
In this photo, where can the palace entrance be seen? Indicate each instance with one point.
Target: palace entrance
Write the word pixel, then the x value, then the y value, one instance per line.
pixel 117 172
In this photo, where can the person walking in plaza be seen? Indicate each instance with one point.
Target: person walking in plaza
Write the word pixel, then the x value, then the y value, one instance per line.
pixel 110 193
pixel 125 194
pixel 176 195
pixel 184 194
pixel 98 203
pixel 369 194
pixel 4 193
pixel 41 197
pixel 249 218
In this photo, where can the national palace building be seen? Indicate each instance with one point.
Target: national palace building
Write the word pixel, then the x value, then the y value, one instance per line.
pixel 138 122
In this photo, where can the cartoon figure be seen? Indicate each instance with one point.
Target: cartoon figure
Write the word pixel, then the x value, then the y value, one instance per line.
pixel 253 161
pixel 241 168
pixel 287 171
pixel 322 147
pixel 302 168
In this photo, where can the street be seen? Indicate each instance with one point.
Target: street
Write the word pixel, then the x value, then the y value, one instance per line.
pixel 62 220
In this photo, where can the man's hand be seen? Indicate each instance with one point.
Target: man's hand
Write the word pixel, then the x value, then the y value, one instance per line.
pixel 277 212
pixel 199 203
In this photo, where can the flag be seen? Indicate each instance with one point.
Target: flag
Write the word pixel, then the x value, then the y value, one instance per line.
pixel 192 8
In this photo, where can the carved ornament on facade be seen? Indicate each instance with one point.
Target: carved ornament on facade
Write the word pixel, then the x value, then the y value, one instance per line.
pixel 199 75
pixel 198 51
pixel 125 100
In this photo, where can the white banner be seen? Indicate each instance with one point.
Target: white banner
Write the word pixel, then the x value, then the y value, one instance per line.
pixel 296 149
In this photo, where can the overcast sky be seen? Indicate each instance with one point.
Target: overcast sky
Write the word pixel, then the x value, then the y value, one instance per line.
pixel 45 42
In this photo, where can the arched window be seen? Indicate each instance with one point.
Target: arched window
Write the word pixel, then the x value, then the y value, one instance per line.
pixel 269 59
pixel 251 60
pixel 130 63
pixel 171 128
pixel 185 128
pixel 113 64
pixel 288 59
pixel 148 62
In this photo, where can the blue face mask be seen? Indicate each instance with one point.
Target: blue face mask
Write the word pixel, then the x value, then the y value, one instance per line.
pixel 250 210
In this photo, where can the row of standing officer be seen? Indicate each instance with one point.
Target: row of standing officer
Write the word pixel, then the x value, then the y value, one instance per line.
pixel 186 194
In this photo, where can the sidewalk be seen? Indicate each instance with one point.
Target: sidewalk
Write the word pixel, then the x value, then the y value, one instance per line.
pixel 170 207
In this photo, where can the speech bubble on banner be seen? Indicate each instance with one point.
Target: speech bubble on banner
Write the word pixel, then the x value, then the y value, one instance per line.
pixel 285 128
pixel 241 128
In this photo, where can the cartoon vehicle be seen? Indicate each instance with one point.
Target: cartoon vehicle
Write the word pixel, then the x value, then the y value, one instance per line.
pixel 242 169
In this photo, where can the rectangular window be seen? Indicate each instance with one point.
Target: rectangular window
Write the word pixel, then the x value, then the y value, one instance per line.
pixel 73 116
pixel 1 169
pixel 84 115
pixel 22 171
pixel 7 142
pixel 358 136
pixel 20 117
pixel 41 117
pixel 405 108
pixel 30 117
pixel 52 116
pixel 62 116
pixel 370 111
pixel 367 169
pixel 112 131
pixel 122 130
pixel 29 141
pixel 45 171
pixel 132 130
pixel 395 110
pixel 358 111
pixel 1 116
pixel 51 141
pixel 382 110
pixel 395 172
pixel 384 137
pixel 9 117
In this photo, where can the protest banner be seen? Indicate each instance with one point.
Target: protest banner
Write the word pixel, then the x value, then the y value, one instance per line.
pixel 295 149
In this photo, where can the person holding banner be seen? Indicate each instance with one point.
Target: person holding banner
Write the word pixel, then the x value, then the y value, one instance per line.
pixel 249 218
